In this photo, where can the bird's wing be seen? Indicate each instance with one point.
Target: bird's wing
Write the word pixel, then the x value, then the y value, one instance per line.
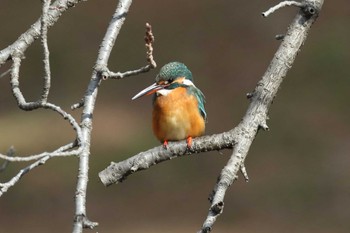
pixel 201 100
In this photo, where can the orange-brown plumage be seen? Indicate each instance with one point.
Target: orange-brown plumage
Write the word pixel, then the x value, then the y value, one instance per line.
pixel 178 105
pixel 176 116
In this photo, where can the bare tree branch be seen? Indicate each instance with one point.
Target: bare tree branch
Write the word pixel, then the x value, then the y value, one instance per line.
pixel 47 75
pixel 28 106
pixel 80 220
pixel 41 158
pixel 149 39
pixel 107 74
pixel 27 38
pixel 15 52
pixel 118 172
pixel 281 5
pixel 244 172
pixel 261 100
pixel 60 152
pixel 242 136
pixel 5 73
pixel 10 153
pixel 77 105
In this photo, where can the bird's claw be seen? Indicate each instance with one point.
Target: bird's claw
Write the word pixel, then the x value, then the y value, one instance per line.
pixel 189 143
pixel 165 144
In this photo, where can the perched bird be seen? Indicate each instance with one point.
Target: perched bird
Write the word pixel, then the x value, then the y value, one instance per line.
pixel 178 105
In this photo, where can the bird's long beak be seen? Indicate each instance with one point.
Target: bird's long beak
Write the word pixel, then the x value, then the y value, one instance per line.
pixel 149 90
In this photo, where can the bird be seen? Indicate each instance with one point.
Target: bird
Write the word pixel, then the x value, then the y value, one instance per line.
pixel 178 105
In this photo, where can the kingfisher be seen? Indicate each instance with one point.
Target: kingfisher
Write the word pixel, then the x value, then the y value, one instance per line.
pixel 178 105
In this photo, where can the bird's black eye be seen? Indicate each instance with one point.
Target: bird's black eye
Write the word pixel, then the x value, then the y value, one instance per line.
pixel 170 80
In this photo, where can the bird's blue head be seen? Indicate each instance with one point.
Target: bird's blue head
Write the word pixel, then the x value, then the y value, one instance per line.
pixel 172 71
pixel 166 78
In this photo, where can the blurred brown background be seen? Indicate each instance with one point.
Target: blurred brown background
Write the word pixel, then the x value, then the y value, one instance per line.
pixel 299 170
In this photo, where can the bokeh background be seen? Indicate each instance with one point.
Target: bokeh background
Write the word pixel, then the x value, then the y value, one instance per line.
pixel 299 170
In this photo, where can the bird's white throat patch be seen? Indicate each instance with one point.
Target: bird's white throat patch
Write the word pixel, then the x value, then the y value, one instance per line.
pixel 163 92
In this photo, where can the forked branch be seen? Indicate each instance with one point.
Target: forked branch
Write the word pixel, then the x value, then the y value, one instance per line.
pixel 16 55
pixel 103 71
pixel 149 40
pixel 60 152
pixel 88 103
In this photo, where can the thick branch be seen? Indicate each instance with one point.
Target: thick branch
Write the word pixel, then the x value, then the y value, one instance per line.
pixel 118 172
pixel 261 100
pixel 80 219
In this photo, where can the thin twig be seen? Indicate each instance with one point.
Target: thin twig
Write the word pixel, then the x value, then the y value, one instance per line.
pixel 28 106
pixel 16 91
pixel 5 186
pixel 10 153
pixel 281 5
pixel 279 37
pixel 62 151
pixel 107 74
pixel 47 74
pixel 78 105
pixel 5 73
pixel 15 53
pixel 149 40
pixel 120 75
pixel 244 172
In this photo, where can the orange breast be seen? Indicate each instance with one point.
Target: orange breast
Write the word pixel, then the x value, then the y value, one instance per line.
pixel 176 116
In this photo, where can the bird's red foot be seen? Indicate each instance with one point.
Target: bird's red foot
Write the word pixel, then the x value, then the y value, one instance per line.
pixel 165 144
pixel 189 142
